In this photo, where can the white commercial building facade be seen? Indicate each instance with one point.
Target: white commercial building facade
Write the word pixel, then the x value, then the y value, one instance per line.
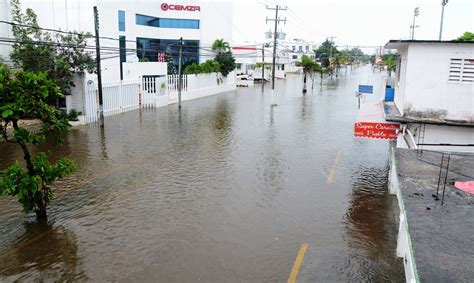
pixel 134 28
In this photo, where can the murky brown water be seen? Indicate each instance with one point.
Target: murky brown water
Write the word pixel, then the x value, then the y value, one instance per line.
pixel 225 190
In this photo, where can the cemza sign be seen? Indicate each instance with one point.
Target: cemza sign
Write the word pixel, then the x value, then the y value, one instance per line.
pixel 175 7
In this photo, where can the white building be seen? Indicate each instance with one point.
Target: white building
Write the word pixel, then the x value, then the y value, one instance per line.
pixel 434 94
pixel 140 28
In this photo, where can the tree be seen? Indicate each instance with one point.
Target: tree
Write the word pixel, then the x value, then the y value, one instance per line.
pixel 23 95
pixel 226 62
pixel 220 46
pixel 467 36
pixel 390 60
pixel 308 65
pixel 60 55
pixel 170 64
pixel 326 49
pixel 210 66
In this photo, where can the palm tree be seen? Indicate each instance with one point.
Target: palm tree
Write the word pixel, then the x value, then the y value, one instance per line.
pixel 220 46
pixel 320 70
pixel 308 65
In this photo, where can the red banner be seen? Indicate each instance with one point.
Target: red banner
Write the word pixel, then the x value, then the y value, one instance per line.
pixel 374 130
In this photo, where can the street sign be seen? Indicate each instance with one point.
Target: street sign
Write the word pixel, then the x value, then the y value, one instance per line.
pixel 375 130
pixel 366 88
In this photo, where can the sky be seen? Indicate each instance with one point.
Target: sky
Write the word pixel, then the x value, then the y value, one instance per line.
pixel 353 22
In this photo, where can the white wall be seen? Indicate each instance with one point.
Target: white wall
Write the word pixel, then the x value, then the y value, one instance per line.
pixel 427 88
pixel 441 134
pixel 134 71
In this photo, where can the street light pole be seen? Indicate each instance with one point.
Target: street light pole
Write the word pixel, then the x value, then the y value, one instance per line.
pixel 416 12
pixel 443 3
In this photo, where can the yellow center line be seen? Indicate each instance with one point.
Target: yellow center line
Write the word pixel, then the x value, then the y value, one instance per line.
pixel 333 168
pixel 297 264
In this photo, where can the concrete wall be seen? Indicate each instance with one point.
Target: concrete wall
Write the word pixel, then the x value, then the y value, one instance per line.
pixel 134 71
pixel 404 246
pixel 77 15
pixel 424 88
pixel 441 134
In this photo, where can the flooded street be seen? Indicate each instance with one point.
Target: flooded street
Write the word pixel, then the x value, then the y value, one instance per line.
pixel 227 189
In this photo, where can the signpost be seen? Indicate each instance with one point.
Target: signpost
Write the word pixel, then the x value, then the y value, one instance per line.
pixel 366 89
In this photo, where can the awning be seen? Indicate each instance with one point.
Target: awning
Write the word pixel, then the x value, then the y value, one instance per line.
pixel 370 123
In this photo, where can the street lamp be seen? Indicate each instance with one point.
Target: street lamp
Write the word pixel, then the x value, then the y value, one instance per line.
pixel 443 3
pixel 416 13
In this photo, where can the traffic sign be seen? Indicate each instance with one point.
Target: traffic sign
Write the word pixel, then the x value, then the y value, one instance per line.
pixel 366 88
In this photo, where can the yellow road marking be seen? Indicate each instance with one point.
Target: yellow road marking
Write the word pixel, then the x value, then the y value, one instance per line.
pixel 333 168
pixel 297 264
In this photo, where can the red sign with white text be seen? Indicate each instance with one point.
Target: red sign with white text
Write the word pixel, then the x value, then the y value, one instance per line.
pixel 174 7
pixel 374 130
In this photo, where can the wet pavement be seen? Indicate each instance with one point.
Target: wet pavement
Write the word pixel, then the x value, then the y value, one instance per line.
pixel 227 189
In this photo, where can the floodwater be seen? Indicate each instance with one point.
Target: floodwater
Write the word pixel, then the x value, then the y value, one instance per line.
pixel 227 189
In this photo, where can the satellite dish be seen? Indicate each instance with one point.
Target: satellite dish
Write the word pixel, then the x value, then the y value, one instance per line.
pixel 134 59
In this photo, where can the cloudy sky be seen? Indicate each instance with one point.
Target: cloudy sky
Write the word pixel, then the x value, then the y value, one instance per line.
pixel 354 22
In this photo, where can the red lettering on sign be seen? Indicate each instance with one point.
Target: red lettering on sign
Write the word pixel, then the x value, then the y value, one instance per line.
pixel 166 7
pixel 372 130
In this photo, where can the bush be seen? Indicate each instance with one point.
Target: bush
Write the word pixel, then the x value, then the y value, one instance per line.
pixel 226 63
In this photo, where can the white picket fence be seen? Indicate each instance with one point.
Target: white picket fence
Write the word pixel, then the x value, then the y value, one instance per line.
pixel 152 93
pixel 117 98
pixel 148 92
pixel 173 83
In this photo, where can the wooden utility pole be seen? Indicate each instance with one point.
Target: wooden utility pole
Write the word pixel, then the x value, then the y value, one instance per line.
pixel 99 71
pixel 180 63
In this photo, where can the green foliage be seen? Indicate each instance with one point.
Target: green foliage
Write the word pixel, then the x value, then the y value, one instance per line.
pixel 60 55
pixel 220 46
pixel 32 190
pixel 307 63
pixel 25 95
pixel 390 60
pixel 170 64
pixel 73 115
pixel 324 51
pixel 467 36
pixel 226 62
pixel 210 66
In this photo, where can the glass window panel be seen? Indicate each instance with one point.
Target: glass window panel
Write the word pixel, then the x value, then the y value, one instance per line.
pixel 121 20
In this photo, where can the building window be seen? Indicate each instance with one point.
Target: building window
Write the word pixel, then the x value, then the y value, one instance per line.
pixel 121 20
pixel 123 53
pixel 461 71
pixel 300 48
pixel 307 48
pixel 295 56
pixel 148 49
pixel 166 22
pixel 293 48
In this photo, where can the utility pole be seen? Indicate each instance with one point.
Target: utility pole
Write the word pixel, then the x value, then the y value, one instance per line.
pixel 263 65
pixel 443 3
pixel 180 62
pixel 99 71
pixel 416 12
pixel 277 21
pixel 331 40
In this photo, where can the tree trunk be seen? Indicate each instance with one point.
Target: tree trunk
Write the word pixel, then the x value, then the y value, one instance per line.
pixel 41 200
pixel 304 83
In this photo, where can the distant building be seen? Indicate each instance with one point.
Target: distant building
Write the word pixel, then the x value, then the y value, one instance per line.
pixel 135 28
pixel 434 95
